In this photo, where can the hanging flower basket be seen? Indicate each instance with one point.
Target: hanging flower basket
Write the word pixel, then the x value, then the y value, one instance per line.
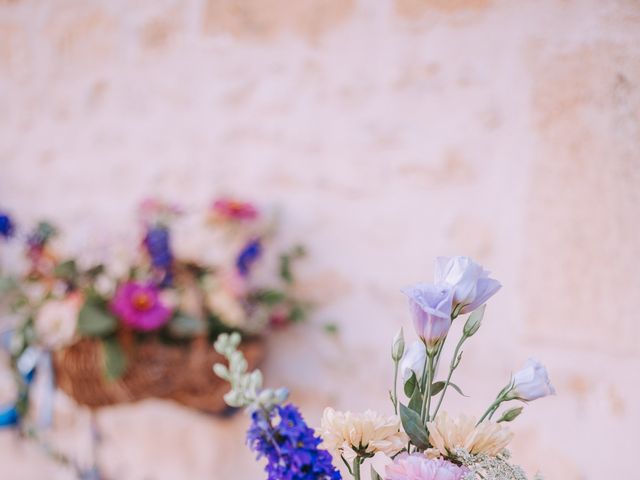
pixel 122 328
pixel 156 370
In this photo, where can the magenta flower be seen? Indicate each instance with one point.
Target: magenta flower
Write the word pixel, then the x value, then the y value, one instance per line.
pixel 138 306
pixel 231 209
pixel 419 467
pixel 431 310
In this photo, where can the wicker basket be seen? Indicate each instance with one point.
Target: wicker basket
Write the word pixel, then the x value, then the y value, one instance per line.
pixel 178 372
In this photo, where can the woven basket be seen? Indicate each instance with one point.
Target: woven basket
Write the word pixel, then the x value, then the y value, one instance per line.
pixel 178 372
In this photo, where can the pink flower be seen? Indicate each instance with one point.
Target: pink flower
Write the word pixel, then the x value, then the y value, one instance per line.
pixel 231 209
pixel 419 467
pixel 138 306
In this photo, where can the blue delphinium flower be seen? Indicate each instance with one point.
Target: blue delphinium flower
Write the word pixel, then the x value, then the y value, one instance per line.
pixel 6 225
pixel 158 245
pixel 248 256
pixel 289 445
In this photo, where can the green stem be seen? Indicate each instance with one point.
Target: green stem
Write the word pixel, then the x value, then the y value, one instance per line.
pixel 356 468
pixel 452 366
pixel 492 408
pixel 426 401
pixel 395 387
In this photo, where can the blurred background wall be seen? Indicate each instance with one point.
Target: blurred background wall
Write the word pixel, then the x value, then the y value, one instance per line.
pixel 390 132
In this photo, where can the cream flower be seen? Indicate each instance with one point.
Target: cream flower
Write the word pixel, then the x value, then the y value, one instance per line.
pixel 346 433
pixel 447 434
pixel 228 307
pixel 56 321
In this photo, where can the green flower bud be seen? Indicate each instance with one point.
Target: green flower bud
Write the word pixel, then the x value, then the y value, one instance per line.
pixel 511 414
pixel 397 350
pixel 474 321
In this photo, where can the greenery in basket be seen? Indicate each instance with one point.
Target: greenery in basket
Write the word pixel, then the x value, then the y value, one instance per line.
pixel 190 276
pixel 419 440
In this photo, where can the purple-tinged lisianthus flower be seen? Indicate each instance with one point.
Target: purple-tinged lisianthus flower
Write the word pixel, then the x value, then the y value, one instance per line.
pixel 419 467
pixel 531 382
pixel 6 225
pixel 248 256
pixel 157 243
pixel 138 306
pixel 289 445
pixel 431 311
pixel 470 282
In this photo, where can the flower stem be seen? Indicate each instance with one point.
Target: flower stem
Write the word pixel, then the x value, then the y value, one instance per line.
pixel 452 366
pixel 492 408
pixel 426 401
pixel 356 468
pixel 395 387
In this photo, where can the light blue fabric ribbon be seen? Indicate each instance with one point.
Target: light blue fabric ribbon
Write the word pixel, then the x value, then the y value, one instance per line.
pixel 33 362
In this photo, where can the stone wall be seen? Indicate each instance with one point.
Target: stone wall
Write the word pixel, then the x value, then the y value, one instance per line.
pixel 391 131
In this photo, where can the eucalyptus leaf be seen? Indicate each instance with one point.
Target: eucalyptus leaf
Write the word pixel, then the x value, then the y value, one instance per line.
pixel 94 321
pixel 410 385
pixel 414 428
pixel 115 360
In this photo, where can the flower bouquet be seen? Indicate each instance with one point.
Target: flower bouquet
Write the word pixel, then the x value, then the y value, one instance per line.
pixel 420 440
pixel 140 323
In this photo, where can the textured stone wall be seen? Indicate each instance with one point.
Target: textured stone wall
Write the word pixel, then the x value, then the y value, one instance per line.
pixel 393 131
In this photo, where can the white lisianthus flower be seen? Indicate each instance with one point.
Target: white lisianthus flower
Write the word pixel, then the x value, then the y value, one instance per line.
pixel 349 434
pixel 413 360
pixel 55 323
pixel 447 434
pixel 530 383
pixel 470 282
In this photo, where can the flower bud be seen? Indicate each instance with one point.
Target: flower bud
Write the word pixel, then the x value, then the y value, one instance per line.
pixel 511 414
pixel 530 383
pixel 282 394
pixel 397 350
pixel 474 321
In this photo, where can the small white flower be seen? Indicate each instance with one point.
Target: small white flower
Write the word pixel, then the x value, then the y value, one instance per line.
pixel 413 360
pixel 56 321
pixel 531 382
pixel 470 282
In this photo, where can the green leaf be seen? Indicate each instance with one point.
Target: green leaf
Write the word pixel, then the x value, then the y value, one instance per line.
pixel 115 360
pixel 66 270
pixel 414 428
pixel 94 321
pixel 185 326
pixel 270 297
pixel 285 268
pixel 297 313
pixel 437 387
pixel 374 474
pixel 415 403
pixel 331 328
pixel 410 385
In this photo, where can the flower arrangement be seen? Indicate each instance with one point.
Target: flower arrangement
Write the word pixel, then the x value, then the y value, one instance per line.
pixel 162 290
pixel 419 440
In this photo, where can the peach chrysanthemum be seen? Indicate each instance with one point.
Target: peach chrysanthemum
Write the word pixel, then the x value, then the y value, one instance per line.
pixel 447 434
pixel 346 433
